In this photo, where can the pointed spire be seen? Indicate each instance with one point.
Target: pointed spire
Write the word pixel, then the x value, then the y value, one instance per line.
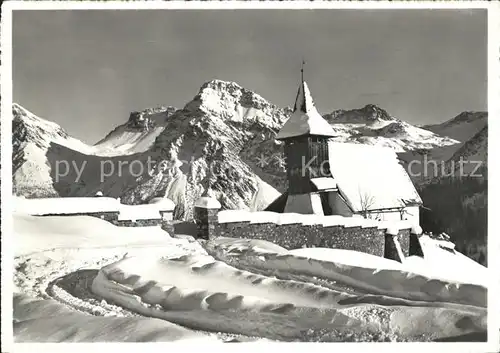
pixel 300 100
pixel 302 71
pixel 305 119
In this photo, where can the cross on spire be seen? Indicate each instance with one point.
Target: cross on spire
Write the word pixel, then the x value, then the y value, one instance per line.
pixel 302 70
pixel 305 119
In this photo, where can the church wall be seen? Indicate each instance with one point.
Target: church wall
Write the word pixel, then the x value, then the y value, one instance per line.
pixel 385 216
pixel 296 157
pixel 410 213
pixel 338 205
pixel 413 214
pixel 306 158
pixel 317 207
pixel 300 203
pixel 318 157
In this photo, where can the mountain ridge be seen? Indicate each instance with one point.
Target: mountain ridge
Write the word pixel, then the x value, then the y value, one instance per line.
pixel 224 125
pixel 461 127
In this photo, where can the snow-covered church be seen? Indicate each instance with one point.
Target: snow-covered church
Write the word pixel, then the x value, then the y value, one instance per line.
pixel 331 178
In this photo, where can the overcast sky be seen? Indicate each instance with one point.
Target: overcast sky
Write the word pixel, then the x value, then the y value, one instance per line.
pixel 86 70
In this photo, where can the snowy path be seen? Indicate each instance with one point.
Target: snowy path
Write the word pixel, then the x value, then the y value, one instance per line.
pixel 55 264
pixel 73 290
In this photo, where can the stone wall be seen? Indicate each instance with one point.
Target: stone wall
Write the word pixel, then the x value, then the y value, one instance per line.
pixel 165 222
pixel 139 223
pixel 404 241
pixel 205 220
pixel 369 240
pixel 415 247
pixel 294 231
pixel 397 244
pixel 391 248
pixel 111 217
pixel 168 227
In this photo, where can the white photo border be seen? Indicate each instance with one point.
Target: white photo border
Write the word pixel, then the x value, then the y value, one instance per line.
pixel 493 9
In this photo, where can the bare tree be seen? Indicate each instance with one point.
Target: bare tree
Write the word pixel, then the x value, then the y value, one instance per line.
pixel 366 201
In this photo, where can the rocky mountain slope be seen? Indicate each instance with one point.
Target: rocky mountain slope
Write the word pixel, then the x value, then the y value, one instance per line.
pixel 222 138
pixel 462 127
pixel 473 151
pixel 32 137
pixel 212 132
pixel 137 134
pixel 215 139
pixel 457 196
pixel 469 129
pixel 374 126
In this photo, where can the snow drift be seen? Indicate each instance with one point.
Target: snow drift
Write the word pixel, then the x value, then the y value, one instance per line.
pixel 250 278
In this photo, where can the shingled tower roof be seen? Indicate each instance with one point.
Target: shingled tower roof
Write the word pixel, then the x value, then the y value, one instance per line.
pixel 305 119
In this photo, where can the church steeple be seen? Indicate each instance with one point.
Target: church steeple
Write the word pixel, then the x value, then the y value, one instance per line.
pixel 305 119
pixel 300 99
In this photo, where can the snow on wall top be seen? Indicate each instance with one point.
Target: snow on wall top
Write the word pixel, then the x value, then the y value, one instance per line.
pixel 66 205
pixel 163 203
pixel 305 119
pixel 231 216
pixel 264 217
pixel 138 212
pixel 235 216
pixel 207 202
pixel 324 183
pixel 369 177
pixel 78 205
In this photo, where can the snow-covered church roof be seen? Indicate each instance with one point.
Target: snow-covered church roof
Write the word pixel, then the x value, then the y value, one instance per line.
pixel 305 119
pixel 370 177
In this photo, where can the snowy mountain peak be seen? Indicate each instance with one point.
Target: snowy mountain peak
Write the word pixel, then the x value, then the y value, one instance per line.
pixel 34 142
pixel 149 118
pixel 367 114
pixel 138 133
pixel 230 88
pixel 28 128
pixel 220 85
pixel 230 101
pixel 373 125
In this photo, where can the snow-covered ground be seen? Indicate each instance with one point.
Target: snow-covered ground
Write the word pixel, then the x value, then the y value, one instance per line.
pixel 83 279
pixel 47 248
pixel 47 320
